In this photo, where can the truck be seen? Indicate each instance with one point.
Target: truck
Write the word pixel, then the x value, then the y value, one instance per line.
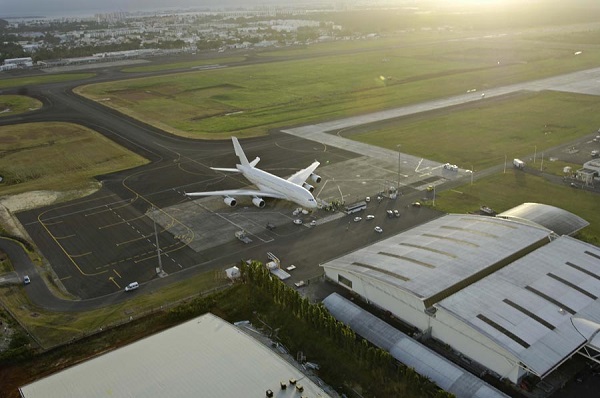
pixel 518 163
pixel 241 235
pixel 274 267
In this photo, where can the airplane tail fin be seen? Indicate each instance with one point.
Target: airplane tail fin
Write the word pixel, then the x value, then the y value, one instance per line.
pixel 240 152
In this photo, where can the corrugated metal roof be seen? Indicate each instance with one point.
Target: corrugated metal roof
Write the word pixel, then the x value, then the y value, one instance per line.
pixel 560 221
pixel 444 373
pixel 205 357
pixel 527 306
pixel 434 256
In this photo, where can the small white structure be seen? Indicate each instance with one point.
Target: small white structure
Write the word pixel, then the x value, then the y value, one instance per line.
pixel 233 273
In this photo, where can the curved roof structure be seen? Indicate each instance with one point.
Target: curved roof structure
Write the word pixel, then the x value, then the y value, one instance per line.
pixel 559 221
pixel 410 352
pixel 438 258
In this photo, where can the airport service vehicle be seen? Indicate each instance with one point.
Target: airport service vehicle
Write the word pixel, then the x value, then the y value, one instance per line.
pixel 518 163
pixel 294 189
pixel 26 280
pixel 132 286
pixel 357 219
pixel 378 229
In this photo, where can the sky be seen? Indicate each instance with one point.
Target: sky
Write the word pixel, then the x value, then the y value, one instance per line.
pixel 57 8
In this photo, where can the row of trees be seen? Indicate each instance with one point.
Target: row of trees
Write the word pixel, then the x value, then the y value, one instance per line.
pixel 382 365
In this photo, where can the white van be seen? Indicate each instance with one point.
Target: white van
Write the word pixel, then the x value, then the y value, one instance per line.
pixel 132 286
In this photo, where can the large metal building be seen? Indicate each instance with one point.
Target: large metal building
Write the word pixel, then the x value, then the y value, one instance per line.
pixel 204 357
pixel 502 291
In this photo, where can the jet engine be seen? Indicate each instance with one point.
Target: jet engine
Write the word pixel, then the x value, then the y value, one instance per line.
pixel 309 187
pixel 258 202
pixel 316 178
pixel 229 201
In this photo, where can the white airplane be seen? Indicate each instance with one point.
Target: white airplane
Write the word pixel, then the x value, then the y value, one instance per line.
pixel 294 189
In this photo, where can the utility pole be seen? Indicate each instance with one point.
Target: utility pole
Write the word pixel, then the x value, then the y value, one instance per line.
pixel 504 163
pixel 399 164
pixel 534 153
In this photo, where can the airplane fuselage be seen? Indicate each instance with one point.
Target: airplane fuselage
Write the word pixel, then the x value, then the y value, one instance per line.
pixel 268 182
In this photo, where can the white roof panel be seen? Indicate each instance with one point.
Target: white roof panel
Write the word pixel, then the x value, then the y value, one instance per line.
pixel 205 357
pixel 527 306
pixel 432 257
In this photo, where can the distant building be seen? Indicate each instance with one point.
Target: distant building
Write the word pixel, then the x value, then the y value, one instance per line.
pixel 590 170
pixel 25 62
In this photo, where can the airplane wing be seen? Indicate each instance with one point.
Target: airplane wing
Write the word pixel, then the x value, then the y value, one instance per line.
pixel 238 192
pixel 226 169
pixel 300 176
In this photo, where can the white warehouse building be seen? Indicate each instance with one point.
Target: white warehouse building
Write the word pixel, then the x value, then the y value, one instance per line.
pixel 508 293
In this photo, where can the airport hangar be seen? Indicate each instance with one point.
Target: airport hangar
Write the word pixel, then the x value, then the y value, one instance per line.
pixel 506 292
pixel 204 357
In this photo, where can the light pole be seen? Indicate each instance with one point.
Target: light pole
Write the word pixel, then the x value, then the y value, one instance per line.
pixel 159 270
pixel 505 164
pixel 534 153
pixel 472 172
pixel 399 164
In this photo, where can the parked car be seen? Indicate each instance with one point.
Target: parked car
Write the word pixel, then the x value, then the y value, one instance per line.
pixel 132 286
pixel 416 204
pixel 26 280
pixel 357 219
pixel 378 229
pixel 297 221
pixel 370 217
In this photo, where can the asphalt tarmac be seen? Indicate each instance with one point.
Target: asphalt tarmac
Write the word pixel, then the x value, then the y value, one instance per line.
pixel 98 244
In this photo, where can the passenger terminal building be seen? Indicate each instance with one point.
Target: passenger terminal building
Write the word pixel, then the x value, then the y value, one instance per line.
pixel 513 293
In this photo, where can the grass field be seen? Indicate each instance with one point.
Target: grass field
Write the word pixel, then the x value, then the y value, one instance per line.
pixel 15 104
pixel 54 328
pixel 43 79
pixel 57 157
pixel 480 134
pixel 250 100
pixel 504 191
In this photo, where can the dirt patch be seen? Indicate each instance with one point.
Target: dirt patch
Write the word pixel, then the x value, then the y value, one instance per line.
pixel 32 200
